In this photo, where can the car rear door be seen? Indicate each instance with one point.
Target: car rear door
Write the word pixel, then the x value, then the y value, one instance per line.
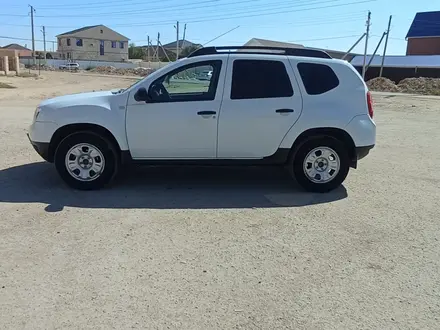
pixel 261 102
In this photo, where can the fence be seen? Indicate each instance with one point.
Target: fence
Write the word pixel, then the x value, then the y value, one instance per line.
pixel 93 64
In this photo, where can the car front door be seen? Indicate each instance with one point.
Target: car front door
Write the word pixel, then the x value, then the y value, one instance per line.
pixel 179 118
pixel 262 101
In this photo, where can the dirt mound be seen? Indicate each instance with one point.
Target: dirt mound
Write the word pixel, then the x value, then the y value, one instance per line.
pixel 382 85
pixel 425 86
pixel 104 69
pixel 142 71
pixel 122 72
pixel 43 67
pixel 5 85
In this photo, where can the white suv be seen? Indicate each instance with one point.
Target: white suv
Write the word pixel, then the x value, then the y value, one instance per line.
pixel 297 108
pixel 69 66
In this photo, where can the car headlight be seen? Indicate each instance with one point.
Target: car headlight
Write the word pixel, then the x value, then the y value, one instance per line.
pixel 37 112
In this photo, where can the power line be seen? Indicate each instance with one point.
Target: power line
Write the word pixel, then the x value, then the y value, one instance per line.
pixel 126 5
pixel 399 39
pixel 138 11
pixel 102 3
pixel 207 18
pixel 326 38
pixel 342 18
pixel 21 39
pixel 158 23
pixel 280 12
pixel 165 8
pixel 221 35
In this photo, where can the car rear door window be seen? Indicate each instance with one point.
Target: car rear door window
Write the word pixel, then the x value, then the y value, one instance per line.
pixel 259 79
pixel 317 78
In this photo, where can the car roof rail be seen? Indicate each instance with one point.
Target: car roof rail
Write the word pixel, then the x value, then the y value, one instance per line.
pixel 305 52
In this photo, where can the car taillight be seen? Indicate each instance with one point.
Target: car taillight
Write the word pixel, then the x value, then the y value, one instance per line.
pixel 370 105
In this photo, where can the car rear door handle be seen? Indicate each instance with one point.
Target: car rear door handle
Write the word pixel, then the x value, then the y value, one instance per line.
pixel 206 113
pixel 284 110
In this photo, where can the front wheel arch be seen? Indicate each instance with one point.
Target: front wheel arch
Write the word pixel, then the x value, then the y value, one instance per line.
pixel 64 131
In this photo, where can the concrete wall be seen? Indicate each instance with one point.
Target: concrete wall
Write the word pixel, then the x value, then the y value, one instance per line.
pixel 14 52
pixel 8 52
pixel 90 49
pixel 423 46
pixel 398 74
pixel 9 64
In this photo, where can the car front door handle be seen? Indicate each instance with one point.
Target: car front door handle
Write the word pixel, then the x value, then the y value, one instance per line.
pixel 206 113
pixel 284 110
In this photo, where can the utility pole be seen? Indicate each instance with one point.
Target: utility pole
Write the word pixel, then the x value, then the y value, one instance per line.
pixel 354 45
pixel 177 42
pixel 44 40
pixel 161 46
pixel 184 35
pixel 366 44
pixel 385 47
pixel 375 51
pixel 33 37
pixel 148 50
pixel 157 47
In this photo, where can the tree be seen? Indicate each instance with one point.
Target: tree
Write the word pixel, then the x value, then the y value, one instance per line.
pixel 188 50
pixel 135 52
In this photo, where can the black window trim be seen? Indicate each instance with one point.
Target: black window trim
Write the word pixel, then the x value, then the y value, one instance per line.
pixel 261 98
pixel 208 96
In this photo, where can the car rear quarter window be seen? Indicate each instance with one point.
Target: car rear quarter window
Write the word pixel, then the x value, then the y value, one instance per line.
pixel 317 78
pixel 259 79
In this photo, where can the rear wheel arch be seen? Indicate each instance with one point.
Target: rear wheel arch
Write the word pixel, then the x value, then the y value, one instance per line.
pixel 64 131
pixel 335 133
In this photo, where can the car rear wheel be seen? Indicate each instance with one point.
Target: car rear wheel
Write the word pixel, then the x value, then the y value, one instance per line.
pixel 321 164
pixel 86 161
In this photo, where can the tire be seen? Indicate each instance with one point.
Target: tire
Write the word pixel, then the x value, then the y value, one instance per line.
pixel 326 151
pixel 102 161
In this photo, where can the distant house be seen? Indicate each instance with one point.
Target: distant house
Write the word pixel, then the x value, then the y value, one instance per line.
pixel 22 51
pixel 424 34
pixel 272 43
pixel 96 42
pixel 172 46
pixel 168 49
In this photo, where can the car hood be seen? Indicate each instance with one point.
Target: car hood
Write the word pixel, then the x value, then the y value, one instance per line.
pixel 92 98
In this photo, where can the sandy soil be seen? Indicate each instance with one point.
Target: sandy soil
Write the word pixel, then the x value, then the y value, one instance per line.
pixel 225 248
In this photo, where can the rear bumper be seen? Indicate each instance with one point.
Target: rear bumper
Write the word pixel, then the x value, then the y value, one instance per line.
pixel 42 148
pixel 362 152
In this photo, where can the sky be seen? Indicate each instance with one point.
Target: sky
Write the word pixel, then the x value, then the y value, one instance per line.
pixel 330 24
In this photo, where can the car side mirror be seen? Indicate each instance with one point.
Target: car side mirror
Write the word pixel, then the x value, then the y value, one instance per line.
pixel 141 95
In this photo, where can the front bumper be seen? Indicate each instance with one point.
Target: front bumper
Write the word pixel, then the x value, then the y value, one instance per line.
pixel 42 148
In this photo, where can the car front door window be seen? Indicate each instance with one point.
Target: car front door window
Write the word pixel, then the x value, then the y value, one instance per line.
pixel 190 83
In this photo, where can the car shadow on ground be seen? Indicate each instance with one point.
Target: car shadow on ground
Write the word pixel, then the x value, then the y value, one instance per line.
pixel 163 188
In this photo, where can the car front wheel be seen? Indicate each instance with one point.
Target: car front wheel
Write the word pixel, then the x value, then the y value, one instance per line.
pixel 321 164
pixel 86 161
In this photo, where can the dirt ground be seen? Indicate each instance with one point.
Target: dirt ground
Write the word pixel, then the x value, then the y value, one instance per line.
pixel 52 83
pixel 225 248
